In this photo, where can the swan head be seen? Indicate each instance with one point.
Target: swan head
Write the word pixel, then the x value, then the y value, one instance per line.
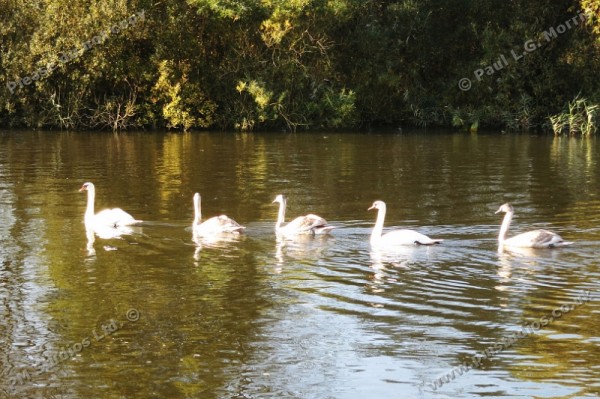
pixel 279 199
pixel 87 187
pixel 196 197
pixel 377 205
pixel 506 208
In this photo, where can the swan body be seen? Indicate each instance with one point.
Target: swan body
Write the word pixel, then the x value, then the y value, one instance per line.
pixel 531 239
pixel 309 224
pixel 107 218
pixel 396 237
pixel 216 225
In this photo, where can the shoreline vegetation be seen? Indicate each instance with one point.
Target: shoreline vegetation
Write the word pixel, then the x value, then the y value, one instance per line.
pixel 298 65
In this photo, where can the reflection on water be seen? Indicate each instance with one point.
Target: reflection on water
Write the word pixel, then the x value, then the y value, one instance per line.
pixel 107 233
pixel 219 242
pixel 326 316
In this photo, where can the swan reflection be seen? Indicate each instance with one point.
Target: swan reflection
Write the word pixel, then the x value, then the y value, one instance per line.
pixel 214 241
pixel 523 252
pixel 402 257
pixel 302 247
pixel 107 233
pixel 524 261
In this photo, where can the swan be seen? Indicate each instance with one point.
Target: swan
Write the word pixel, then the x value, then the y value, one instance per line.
pixel 215 225
pixel 396 237
pixel 309 224
pixel 531 239
pixel 112 218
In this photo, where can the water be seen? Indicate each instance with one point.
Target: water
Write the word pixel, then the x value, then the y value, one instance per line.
pixel 153 315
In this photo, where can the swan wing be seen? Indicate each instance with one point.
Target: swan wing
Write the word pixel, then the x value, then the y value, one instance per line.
pixel 300 225
pixel 319 225
pixel 537 239
pixel 228 225
pixel 115 217
pixel 218 225
pixel 123 218
pixel 405 237
pixel 309 224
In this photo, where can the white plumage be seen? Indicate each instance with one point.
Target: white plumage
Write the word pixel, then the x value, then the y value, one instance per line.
pixel 107 218
pixel 531 239
pixel 309 224
pixel 216 225
pixel 396 237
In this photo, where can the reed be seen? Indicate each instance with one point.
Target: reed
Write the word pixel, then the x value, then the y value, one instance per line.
pixel 580 116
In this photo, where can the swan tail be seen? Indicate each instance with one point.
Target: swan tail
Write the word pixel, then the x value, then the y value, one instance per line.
pixel 133 222
pixel 432 241
pixel 236 229
pixel 118 217
pixel 322 229
pixel 561 244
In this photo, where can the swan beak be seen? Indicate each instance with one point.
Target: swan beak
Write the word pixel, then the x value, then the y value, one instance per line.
pixel 83 188
pixel 498 211
pixel 372 207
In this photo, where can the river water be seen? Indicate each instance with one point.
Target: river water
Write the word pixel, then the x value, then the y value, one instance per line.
pixel 153 314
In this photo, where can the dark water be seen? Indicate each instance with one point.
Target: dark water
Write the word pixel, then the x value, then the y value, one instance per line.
pixel 152 315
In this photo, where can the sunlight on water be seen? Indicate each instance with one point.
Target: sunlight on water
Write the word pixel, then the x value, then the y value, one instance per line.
pixel 327 317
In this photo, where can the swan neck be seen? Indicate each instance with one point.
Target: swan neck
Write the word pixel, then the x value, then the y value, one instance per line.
pixel 280 215
pixel 89 210
pixel 376 234
pixel 197 211
pixel 504 228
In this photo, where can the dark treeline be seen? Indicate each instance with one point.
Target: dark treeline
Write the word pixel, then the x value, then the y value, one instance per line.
pixel 300 64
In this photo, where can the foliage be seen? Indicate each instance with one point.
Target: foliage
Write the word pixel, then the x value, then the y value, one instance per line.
pixel 592 10
pixel 184 104
pixel 579 117
pixel 296 64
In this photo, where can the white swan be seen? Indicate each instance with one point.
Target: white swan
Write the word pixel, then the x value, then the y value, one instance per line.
pixel 309 224
pixel 531 239
pixel 112 218
pixel 396 237
pixel 215 225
